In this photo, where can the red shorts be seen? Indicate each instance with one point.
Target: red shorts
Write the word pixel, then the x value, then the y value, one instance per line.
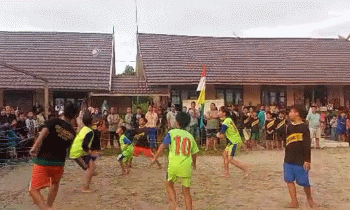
pixel 146 151
pixel 45 176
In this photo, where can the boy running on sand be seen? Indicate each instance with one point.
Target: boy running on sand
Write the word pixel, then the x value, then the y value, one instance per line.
pixel 127 151
pixel 81 151
pixel 229 130
pixel 298 158
pixel 141 140
pixel 49 152
pixel 182 158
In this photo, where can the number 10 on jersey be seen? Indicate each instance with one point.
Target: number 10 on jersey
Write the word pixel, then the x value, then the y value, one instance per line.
pixel 183 145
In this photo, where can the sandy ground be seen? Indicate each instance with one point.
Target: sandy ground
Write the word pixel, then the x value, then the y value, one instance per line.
pixel 144 187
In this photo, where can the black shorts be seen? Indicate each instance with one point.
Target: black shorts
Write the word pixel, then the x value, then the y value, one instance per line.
pixel 212 133
pixel 281 136
pixel 84 161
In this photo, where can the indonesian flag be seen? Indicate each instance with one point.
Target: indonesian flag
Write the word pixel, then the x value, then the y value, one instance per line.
pixel 201 98
pixel 201 86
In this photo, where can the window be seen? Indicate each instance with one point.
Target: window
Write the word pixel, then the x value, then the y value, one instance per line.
pixel 230 95
pixel 272 95
pixel 178 95
pixel 184 94
pixel 193 94
pixel 220 94
pixel 175 97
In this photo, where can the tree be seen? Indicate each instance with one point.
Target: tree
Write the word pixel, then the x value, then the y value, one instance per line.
pixel 129 70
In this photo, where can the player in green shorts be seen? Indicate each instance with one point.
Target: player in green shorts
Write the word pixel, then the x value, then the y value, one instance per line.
pixel 182 158
pixel 229 130
pixel 127 151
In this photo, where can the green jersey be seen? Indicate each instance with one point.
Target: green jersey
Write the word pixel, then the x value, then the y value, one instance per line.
pixel 126 146
pixel 181 148
pixel 231 132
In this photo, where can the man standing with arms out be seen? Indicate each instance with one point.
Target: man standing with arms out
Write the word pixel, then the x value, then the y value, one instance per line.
pixel 171 117
pixel 314 120
pixel 298 158
pixel 152 118
pixel 113 121
pixel 49 152
pixel 195 115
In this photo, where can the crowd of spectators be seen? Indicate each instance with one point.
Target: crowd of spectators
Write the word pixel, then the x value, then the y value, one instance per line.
pixel 18 131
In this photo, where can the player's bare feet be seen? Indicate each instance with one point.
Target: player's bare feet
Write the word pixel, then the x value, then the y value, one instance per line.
pixel 123 173
pixel 293 205
pixel 246 173
pixel 227 175
pixel 128 171
pixel 85 190
pixel 311 203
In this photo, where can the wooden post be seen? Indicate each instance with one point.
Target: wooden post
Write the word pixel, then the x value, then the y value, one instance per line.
pixel 47 95
pixel 1 97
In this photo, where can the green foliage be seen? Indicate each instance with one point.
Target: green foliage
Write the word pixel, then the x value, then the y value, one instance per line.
pixel 141 101
pixel 129 71
pixel 144 107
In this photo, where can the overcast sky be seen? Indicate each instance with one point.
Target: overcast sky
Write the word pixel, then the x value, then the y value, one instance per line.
pixel 283 18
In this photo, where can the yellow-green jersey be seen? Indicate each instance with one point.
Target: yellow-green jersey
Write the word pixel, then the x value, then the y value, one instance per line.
pixel 181 148
pixel 229 129
pixel 82 143
pixel 126 146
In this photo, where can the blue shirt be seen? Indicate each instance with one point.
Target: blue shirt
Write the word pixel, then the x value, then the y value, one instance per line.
pixel 261 117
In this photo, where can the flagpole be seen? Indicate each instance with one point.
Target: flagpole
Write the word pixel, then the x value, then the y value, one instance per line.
pixel 137 25
pixel 201 99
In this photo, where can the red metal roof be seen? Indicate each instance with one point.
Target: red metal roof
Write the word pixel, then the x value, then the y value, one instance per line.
pixel 65 59
pixel 178 60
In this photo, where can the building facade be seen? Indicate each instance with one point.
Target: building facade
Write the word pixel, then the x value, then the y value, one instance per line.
pixel 74 63
pixel 248 71
pixel 241 71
